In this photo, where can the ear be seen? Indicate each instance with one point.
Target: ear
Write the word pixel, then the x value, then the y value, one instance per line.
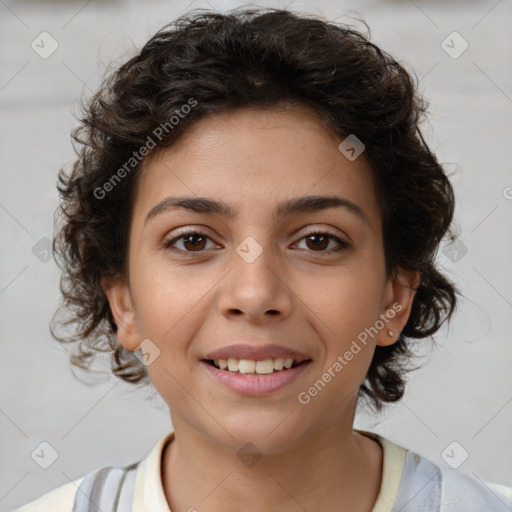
pixel 121 304
pixel 398 298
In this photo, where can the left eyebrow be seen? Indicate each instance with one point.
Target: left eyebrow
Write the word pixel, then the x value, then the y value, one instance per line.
pixel 284 209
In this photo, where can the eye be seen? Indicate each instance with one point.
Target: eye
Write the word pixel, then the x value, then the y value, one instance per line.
pixel 193 241
pixel 318 241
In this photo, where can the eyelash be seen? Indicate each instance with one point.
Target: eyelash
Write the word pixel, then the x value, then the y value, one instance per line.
pixel 343 246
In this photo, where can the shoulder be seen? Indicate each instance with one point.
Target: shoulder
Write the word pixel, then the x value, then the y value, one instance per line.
pixel 427 486
pixel 108 488
pixel 104 488
pixel 60 499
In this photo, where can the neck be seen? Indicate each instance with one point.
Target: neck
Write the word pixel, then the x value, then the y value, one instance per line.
pixel 336 469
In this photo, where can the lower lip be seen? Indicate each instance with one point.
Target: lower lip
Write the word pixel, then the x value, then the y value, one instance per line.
pixel 256 385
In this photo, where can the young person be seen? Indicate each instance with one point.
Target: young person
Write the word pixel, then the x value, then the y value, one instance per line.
pixel 251 226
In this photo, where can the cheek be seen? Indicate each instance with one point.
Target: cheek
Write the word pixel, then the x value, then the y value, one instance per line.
pixel 166 294
pixel 342 326
pixel 344 308
pixel 345 299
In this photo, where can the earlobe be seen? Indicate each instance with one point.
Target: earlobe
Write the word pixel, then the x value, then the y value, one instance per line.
pixel 121 304
pixel 400 297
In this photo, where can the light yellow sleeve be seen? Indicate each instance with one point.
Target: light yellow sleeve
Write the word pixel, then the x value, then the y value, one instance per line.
pixel 502 489
pixel 60 499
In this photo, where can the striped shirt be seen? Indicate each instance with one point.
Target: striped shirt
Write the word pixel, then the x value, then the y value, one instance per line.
pixel 410 483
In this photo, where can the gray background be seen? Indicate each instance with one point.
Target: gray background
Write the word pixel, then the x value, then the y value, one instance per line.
pixel 464 391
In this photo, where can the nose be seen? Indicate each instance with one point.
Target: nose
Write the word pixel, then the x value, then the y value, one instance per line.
pixel 255 289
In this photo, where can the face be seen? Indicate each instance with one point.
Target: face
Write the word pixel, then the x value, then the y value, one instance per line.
pixel 306 280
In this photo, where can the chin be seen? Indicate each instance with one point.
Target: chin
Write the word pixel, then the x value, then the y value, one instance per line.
pixel 271 433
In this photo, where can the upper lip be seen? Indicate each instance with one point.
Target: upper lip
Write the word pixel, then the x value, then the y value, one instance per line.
pixel 256 352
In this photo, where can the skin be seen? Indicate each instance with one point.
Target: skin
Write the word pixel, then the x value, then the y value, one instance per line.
pixel 293 294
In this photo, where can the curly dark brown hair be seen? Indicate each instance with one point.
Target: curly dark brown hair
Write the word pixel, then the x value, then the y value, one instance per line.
pixel 263 58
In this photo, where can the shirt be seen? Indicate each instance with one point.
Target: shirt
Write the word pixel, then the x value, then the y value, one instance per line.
pixel 410 483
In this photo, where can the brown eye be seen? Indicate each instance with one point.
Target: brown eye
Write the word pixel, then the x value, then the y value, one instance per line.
pixel 193 241
pixel 319 241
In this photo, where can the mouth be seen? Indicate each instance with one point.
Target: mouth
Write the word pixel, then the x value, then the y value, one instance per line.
pixel 254 367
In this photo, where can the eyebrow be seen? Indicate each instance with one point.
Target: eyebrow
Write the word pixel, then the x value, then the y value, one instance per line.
pixel 289 207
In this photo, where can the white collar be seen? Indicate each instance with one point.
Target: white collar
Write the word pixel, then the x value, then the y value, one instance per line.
pixel 149 493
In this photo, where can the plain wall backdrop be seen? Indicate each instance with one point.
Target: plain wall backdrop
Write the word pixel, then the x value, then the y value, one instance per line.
pixel 463 392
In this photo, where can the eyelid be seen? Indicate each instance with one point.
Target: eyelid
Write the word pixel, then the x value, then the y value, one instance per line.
pixel 309 231
pixel 328 231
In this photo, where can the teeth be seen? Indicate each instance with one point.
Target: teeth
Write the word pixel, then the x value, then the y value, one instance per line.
pixel 266 366
pixel 246 366
pixel 232 364
pixel 250 366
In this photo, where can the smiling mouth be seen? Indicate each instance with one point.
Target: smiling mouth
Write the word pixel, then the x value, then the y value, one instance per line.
pixel 252 367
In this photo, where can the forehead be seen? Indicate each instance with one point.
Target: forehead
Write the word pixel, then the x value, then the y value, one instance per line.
pixel 253 158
